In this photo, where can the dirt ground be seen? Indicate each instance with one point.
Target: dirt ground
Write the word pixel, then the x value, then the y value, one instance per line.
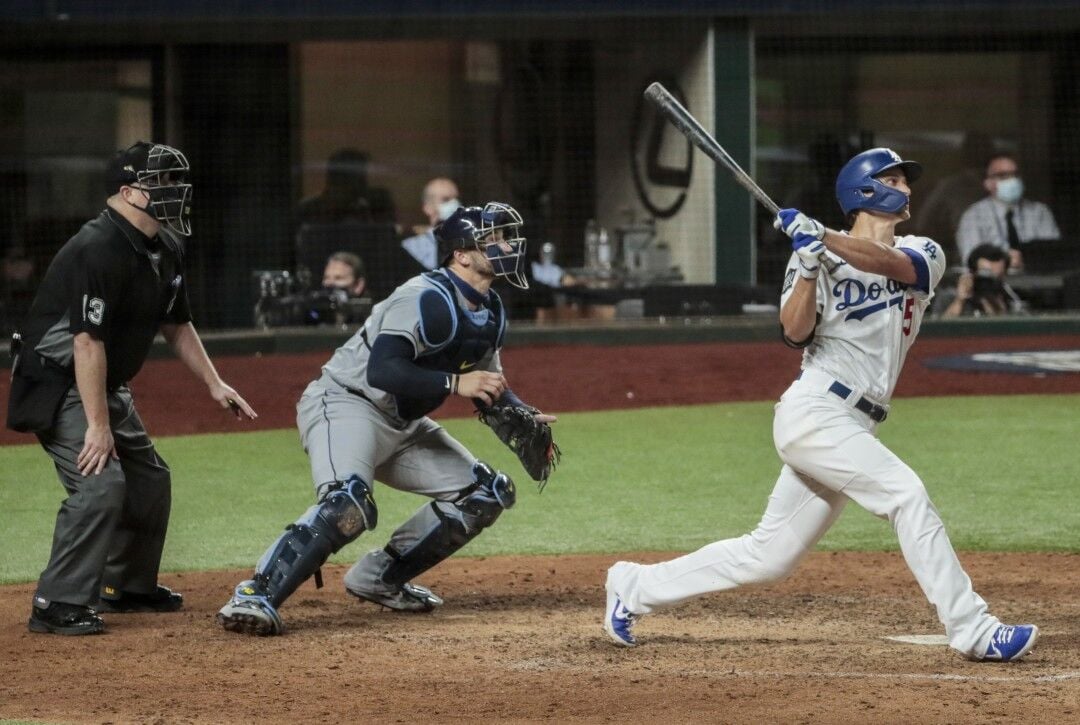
pixel 519 638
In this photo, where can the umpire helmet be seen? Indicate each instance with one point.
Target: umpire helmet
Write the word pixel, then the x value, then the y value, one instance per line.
pixel 856 187
pixel 494 230
pixel 162 172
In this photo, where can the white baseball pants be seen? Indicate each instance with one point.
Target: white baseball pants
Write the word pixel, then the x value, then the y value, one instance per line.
pixel 830 455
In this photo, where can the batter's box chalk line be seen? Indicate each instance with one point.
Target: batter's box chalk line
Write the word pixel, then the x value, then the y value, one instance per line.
pixel 923 639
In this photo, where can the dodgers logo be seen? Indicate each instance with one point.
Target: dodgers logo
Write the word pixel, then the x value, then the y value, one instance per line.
pixel 862 299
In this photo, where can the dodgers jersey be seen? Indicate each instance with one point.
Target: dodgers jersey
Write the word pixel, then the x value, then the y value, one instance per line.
pixel 867 322
pixel 430 312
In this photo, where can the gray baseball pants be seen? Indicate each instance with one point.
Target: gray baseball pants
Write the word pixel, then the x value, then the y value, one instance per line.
pixel 111 527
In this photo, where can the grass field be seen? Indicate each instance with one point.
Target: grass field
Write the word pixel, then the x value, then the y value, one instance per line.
pixel 1001 470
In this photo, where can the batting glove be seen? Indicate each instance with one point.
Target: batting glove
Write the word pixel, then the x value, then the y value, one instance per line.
pixel 809 249
pixel 793 221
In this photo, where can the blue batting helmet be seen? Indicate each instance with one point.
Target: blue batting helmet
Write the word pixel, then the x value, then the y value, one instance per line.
pixel 856 187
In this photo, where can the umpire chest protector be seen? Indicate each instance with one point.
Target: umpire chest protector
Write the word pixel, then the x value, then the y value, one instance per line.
pixel 456 338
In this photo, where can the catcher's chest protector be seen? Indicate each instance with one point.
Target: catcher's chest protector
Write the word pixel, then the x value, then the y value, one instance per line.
pixel 473 337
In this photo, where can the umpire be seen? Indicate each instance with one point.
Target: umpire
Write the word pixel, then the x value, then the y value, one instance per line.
pixel 106 294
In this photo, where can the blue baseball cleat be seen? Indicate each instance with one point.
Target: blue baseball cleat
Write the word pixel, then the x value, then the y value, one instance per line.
pixel 250 612
pixel 1011 642
pixel 619 621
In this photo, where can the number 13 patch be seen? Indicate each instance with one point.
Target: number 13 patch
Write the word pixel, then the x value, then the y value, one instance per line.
pixel 93 309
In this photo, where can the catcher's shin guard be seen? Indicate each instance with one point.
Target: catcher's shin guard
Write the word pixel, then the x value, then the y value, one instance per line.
pixel 345 511
pixel 448 526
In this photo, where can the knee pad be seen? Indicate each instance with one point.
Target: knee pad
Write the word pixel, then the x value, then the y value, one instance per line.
pixel 445 526
pixel 491 494
pixel 345 512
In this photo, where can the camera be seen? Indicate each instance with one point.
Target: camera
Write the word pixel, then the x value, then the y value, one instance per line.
pixel 987 284
pixel 283 300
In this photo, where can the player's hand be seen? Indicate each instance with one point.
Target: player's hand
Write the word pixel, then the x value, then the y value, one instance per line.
pixel 809 250
pixel 793 223
pixel 98 447
pixel 226 397
pixel 544 418
pixel 965 286
pixel 486 386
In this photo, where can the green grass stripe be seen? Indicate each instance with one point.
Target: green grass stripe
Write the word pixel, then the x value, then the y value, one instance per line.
pixel 1001 470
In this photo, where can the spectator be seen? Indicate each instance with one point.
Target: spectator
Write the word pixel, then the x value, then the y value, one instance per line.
pixel 345 271
pixel 347 195
pixel 939 214
pixel 1004 218
pixel 982 290
pixel 438 202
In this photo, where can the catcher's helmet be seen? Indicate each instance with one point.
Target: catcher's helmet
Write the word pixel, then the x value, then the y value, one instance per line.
pixel 494 230
pixel 162 172
pixel 856 187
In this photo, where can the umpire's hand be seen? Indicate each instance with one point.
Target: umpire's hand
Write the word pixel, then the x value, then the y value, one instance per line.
pixel 98 448
pixel 229 398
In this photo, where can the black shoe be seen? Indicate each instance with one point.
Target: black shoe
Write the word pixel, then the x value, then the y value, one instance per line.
pixel 61 618
pixel 161 600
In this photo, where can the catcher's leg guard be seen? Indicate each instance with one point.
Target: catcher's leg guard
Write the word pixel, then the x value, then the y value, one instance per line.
pixel 344 512
pixel 447 526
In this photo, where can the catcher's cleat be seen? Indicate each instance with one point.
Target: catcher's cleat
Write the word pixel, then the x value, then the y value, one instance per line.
pixel 62 618
pixel 403 598
pixel 1011 642
pixel 250 612
pixel 618 620
pixel 161 599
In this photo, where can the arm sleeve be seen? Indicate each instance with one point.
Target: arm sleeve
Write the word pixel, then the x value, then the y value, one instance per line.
pixel 94 294
pixel 391 368
pixel 929 261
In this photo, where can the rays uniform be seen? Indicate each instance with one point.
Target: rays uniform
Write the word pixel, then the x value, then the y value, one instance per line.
pixel 366 419
pixel 825 434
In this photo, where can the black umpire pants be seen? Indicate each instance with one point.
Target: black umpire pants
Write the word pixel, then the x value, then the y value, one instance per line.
pixel 111 528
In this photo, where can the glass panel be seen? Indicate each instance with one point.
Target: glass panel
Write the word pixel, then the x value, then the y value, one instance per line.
pixel 60 121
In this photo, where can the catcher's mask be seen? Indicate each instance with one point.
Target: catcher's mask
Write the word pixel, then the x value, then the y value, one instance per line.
pixel 495 231
pixel 162 173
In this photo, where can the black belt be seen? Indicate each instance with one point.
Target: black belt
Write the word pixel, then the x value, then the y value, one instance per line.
pixel 877 413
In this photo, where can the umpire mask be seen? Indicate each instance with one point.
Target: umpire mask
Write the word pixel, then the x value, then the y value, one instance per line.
pixel 161 172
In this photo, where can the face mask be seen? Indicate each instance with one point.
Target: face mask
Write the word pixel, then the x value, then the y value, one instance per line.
pixel 1010 190
pixel 447 208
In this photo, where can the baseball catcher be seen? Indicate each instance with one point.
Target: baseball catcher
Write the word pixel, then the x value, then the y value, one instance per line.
pixel 366 418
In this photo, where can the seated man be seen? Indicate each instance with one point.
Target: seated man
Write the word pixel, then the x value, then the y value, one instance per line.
pixel 1005 218
pixel 438 202
pixel 982 290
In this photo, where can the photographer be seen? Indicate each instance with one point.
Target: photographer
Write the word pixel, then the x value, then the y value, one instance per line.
pixel 982 290
pixel 341 299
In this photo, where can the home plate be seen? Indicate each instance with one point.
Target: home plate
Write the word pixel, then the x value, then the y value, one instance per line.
pixel 926 639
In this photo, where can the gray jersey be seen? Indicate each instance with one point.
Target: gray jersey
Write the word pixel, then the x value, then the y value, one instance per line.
pixel 399 314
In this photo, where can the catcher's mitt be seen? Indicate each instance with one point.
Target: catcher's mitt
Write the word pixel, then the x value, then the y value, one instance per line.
pixel 529 439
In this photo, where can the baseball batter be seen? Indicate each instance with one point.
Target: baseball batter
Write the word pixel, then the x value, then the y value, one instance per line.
pixel 437 335
pixel 855 324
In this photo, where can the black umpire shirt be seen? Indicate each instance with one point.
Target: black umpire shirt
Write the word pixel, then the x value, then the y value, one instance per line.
pixel 112 282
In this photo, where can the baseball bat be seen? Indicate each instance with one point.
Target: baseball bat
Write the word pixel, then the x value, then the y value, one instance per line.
pixel 669 106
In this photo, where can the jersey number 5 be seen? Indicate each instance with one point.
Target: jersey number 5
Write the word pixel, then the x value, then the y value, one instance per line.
pixel 909 314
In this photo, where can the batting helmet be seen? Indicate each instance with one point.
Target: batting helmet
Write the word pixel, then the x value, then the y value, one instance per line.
pixel 494 230
pixel 856 187
pixel 162 172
